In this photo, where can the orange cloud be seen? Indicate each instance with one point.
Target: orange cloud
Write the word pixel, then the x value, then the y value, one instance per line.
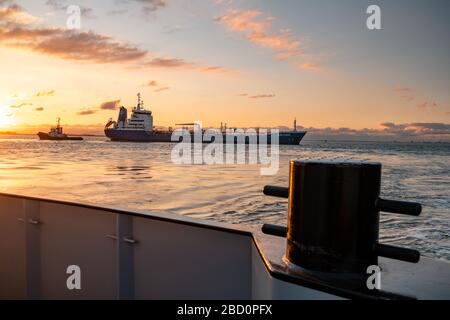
pixel 214 69
pixel 404 92
pixel 81 46
pixel 245 21
pixel 258 96
pixel 18 106
pixel 110 105
pixel 408 94
pixel 70 44
pixel 427 104
pixel 15 14
pixel 152 5
pixel 87 46
pixel 401 88
pixel 162 89
pixel 175 63
pixel 256 28
pixel 388 131
pixel 309 66
pixel 157 86
pixel 168 63
pixel 417 128
pixel 86 112
pixel 45 93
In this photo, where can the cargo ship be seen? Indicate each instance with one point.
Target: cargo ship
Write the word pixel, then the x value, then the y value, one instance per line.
pixel 139 128
pixel 56 133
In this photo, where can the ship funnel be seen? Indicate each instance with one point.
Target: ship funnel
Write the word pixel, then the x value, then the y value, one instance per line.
pixel 122 115
pixel 333 217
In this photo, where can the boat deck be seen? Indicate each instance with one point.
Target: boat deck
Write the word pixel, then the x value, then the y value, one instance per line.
pixel 133 254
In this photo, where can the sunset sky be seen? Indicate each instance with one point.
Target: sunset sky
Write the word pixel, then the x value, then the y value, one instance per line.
pixel 247 63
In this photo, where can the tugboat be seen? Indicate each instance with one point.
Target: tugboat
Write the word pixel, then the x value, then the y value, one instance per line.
pixel 139 128
pixel 56 134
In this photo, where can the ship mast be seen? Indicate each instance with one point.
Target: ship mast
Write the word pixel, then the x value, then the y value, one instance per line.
pixel 139 101
pixel 58 128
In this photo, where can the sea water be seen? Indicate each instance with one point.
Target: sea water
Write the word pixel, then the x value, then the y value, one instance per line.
pixel 142 176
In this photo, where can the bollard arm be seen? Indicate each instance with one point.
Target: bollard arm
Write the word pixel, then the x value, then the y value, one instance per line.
pixel 274 230
pixel 274 191
pixel 402 207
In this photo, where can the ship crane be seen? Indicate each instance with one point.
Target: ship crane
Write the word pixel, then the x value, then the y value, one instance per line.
pixel 196 126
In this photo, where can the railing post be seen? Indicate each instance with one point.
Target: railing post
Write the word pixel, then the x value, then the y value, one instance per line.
pixel 31 209
pixel 125 257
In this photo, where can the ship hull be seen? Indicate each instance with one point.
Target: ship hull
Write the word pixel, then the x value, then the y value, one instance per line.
pixel 46 136
pixel 285 138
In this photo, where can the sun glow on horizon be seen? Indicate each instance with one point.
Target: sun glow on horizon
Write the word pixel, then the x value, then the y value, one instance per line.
pixel 6 118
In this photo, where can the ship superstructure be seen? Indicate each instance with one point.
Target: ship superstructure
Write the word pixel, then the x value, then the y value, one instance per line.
pixel 141 119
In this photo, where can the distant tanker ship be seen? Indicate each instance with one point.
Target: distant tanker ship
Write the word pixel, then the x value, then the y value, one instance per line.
pixel 139 128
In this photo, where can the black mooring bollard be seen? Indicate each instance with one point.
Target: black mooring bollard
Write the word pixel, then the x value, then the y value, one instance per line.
pixel 333 221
